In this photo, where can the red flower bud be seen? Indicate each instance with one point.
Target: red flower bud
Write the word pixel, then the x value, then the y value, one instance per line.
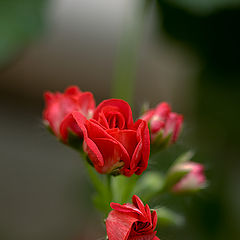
pixel 164 124
pixel 194 180
pixel 59 105
pixel 131 221
pixel 112 141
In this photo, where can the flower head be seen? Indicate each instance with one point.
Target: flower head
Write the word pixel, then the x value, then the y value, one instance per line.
pixel 131 221
pixel 194 180
pixel 164 125
pixel 60 105
pixel 113 142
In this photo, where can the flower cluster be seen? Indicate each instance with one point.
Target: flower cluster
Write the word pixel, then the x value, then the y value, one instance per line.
pixel 114 144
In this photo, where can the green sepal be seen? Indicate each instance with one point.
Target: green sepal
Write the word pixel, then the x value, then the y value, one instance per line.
pixel 175 174
pixel 160 142
pixel 185 157
pixel 173 177
pixel 74 141
pixel 49 129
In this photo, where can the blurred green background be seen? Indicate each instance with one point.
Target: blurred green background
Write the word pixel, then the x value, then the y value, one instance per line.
pixel 188 55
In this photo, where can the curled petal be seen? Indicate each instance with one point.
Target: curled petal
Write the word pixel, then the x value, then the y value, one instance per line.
pixel 87 104
pixel 59 105
pixel 69 123
pixel 122 107
pixel 131 221
pixel 119 225
pixel 72 91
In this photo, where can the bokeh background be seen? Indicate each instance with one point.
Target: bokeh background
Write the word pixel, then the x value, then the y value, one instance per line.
pixel 187 54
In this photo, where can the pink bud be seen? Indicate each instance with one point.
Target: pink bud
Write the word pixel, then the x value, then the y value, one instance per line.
pixel 163 123
pixel 173 126
pixel 192 181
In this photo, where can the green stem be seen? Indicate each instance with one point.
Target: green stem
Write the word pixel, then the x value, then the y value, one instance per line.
pixel 96 182
pixel 109 186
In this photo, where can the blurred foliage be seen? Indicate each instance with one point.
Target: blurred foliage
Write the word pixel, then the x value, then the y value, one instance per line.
pixel 204 6
pixel 20 21
pixel 211 30
pixel 214 37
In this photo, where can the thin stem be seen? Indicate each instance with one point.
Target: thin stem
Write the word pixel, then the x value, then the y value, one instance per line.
pixel 109 186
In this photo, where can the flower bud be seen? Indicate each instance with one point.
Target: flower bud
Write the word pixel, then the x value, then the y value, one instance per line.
pixel 59 106
pixel 164 125
pixel 131 221
pixel 193 180
pixel 112 141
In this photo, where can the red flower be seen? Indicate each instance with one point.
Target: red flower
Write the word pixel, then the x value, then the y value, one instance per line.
pixel 131 221
pixel 164 124
pixel 112 141
pixel 59 105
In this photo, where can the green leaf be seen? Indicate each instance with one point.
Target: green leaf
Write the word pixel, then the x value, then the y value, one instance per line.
pixel 204 6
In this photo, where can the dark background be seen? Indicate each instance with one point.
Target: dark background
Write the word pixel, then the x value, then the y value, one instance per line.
pixel 189 56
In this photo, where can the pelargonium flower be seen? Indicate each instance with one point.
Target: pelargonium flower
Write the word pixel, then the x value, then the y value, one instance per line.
pixel 59 105
pixel 113 142
pixel 164 125
pixel 194 180
pixel 131 221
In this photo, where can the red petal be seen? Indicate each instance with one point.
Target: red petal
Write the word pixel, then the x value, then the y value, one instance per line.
pixel 138 203
pixel 87 104
pixel 72 90
pixel 123 107
pixel 173 125
pixel 119 225
pixel 58 107
pixel 150 236
pixel 48 97
pixel 111 152
pixel 154 219
pixel 136 158
pixel 128 208
pixel 91 148
pixel 126 137
pixel 143 134
pixel 103 150
pixel 69 123
pixel 148 115
pixel 148 213
pixel 162 110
